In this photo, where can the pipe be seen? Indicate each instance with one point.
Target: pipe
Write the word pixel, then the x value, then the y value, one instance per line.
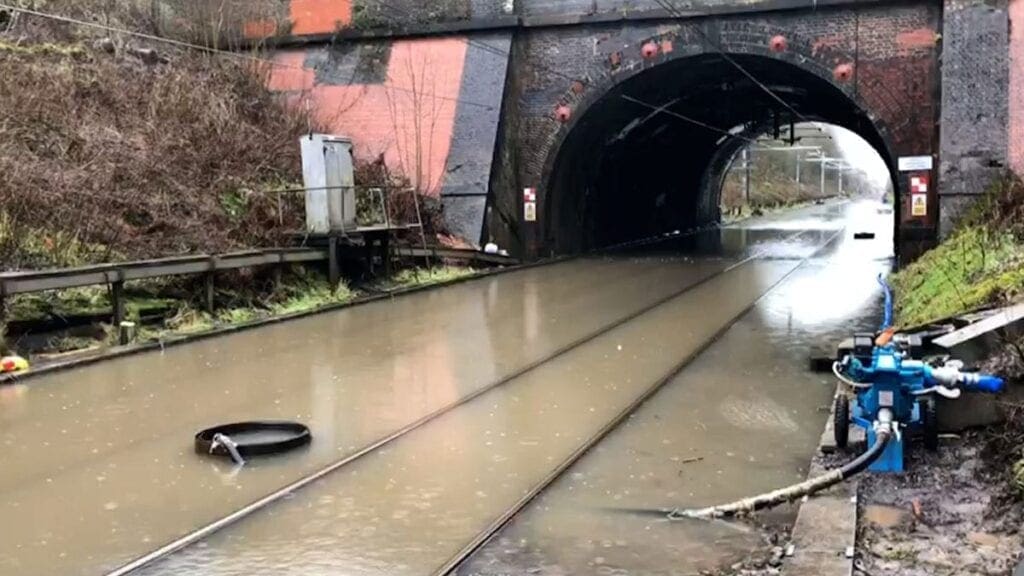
pixel 796 491
pixel 839 374
pixel 887 321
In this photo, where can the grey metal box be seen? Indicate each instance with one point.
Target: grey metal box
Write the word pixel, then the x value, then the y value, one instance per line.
pixel 327 174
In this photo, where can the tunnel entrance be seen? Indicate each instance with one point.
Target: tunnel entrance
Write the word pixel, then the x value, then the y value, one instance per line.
pixel 651 155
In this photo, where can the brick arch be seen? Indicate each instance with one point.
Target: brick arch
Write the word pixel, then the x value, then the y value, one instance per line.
pixel 802 53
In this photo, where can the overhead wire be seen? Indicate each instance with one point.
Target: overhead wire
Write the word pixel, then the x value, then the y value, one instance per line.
pixel 670 6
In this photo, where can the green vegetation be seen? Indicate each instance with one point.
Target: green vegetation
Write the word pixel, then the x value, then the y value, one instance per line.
pixel 86 301
pixel 981 264
pixel 974 268
pixel 310 294
pixel 53 249
pixel 44 49
pixel 299 291
pixel 420 277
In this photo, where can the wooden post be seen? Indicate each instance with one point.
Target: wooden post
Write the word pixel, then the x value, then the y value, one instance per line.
pixel 333 271
pixel 117 300
pixel 210 291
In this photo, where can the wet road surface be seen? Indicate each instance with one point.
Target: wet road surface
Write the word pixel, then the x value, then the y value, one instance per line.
pixel 100 463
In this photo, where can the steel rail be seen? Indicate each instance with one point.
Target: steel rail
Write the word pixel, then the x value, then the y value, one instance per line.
pixel 221 523
pixel 481 539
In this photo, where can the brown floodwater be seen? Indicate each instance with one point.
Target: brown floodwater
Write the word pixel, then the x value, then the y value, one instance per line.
pixel 408 508
pixel 742 419
pixel 98 465
pixel 99 469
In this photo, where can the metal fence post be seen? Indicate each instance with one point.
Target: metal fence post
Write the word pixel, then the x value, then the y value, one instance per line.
pixel 117 301
pixel 333 271
pixel 210 291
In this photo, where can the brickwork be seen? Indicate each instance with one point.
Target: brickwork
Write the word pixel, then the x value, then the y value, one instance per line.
pixel 1016 96
pixel 408 116
pixel 322 17
pixel 891 50
pixel 895 80
pixel 468 169
pixel 585 8
pixel 975 114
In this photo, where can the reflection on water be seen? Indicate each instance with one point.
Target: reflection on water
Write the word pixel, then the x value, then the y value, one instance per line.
pixel 414 505
pixel 99 466
pixel 741 419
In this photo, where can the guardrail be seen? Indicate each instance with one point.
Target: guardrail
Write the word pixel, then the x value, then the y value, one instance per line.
pixel 116 274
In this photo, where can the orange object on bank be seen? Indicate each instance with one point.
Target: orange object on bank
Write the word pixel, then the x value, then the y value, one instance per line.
pixel 10 364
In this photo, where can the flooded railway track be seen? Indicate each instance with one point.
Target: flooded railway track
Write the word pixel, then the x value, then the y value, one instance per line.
pixel 91 485
pixel 464 555
pixel 210 559
pixel 258 505
pixel 410 403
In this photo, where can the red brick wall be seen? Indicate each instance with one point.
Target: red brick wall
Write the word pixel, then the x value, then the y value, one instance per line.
pixel 1016 132
pixel 409 117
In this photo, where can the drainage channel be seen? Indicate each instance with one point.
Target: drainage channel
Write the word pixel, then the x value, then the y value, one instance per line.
pixel 420 497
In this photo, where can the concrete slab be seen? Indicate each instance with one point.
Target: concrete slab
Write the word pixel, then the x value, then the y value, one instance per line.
pixel 825 530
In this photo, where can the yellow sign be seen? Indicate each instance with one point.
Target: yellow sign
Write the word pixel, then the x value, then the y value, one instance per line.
pixel 919 205
pixel 530 211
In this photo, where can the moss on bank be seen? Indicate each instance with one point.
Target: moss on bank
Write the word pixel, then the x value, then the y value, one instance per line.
pixel 974 268
pixel 980 264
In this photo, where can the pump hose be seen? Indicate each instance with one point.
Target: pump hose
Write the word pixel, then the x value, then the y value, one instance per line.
pixel 790 493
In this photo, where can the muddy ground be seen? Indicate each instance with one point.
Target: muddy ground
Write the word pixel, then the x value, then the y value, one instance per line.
pixel 953 512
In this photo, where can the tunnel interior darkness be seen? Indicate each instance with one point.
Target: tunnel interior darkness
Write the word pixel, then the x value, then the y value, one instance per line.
pixel 626 170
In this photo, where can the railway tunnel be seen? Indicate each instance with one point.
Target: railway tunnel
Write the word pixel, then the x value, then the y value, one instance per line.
pixel 649 155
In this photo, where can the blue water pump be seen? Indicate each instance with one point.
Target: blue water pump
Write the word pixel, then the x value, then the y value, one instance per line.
pixel 894 391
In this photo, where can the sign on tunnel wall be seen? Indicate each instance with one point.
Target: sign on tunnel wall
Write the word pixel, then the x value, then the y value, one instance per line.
pixel 919 195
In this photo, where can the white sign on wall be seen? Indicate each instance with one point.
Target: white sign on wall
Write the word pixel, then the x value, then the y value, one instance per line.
pixel 915 163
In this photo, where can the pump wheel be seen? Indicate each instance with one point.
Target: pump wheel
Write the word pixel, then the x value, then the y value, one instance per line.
pixel 930 423
pixel 841 420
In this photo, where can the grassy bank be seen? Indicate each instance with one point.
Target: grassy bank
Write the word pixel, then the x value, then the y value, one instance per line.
pixel 166 310
pixel 981 264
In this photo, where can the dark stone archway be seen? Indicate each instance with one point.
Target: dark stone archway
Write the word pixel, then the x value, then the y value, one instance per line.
pixel 598 165
pixel 648 155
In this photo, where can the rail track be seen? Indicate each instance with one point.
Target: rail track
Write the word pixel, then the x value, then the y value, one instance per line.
pixel 466 553
pixel 484 536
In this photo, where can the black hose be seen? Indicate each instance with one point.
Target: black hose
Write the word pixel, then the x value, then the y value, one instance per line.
pixel 860 463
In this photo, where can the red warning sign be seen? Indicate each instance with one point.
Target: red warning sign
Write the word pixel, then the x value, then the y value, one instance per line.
pixel 919 184
pixel 529 194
